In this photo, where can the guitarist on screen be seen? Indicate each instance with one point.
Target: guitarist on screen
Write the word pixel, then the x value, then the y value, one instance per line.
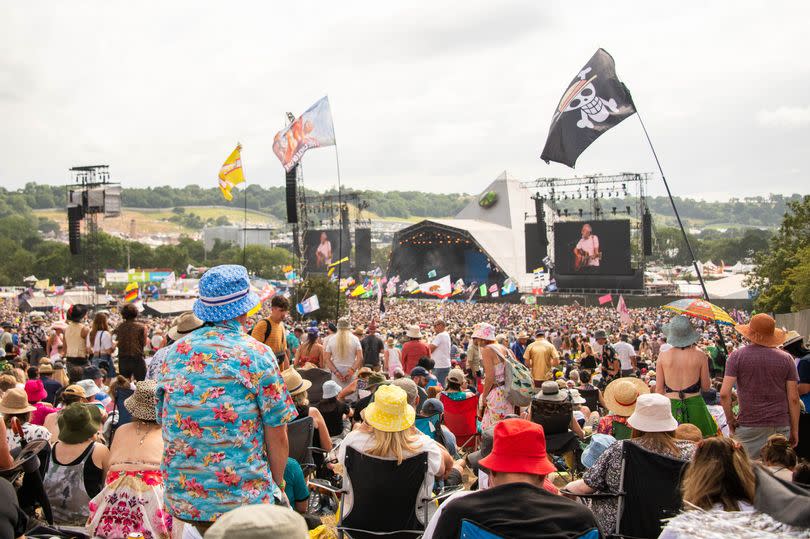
pixel 587 253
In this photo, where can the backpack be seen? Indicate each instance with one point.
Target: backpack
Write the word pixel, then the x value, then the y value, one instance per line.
pixel 518 380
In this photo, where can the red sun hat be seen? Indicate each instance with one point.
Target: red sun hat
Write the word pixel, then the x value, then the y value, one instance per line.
pixel 519 446
pixel 35 391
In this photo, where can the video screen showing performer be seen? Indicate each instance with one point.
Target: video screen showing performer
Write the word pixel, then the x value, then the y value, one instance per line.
pixel 587 254
pixel 592 247
pixel 323 254
pixel 321 248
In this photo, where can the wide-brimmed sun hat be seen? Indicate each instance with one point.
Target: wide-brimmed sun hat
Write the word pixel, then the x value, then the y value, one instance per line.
pixel 762 330
pixel 259 521
pixel 35 391
pixel 90 388
pixel 518 446
pixel 576 398
pixel 331 389
pixel 550 391
pixel 78 422
pixel 653 414
pixel 413 332
pixel 599 442
pixel 45 368
pixel 224 294
pixel 15 401
pixel 295 382
pixel 792 337
pixel 621 395
pixel 680 332
pixel 141 404
pixel 390 411
pixel 183 325
pixel 484 332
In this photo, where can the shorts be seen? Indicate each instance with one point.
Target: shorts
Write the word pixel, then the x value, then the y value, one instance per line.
pixel 132 367
pixel 754 438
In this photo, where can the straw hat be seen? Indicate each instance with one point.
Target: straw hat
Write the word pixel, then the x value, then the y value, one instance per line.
pixel 680 332
pixel 359 330
pixel 762 330
pixel 15 401
pixel 45 368
pixel 183 325
pixel 413 332
pixel 295 383
pixel 75 391
pixel 792 337
pixel 653 414
pixel 78 422
pixel 621 395
pixel 390 411
pixel 141 404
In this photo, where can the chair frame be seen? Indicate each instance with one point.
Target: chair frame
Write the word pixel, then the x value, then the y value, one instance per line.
pixel 466 441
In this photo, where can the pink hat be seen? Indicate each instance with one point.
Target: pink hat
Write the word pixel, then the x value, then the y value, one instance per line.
pixel 35 391
pixel 484 331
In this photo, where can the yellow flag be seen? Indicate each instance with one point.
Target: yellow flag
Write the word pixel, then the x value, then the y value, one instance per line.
pixel 359 291
pixel 231 173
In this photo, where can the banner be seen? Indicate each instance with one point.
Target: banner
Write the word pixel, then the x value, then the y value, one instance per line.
pixel 308 305
pixel 230 173
pixel 607 298
pixel 595 101
pixel 483 290
pixel 441 288
pixel 131 292
pixel 624 312
pixel 313 129
pixel 359 291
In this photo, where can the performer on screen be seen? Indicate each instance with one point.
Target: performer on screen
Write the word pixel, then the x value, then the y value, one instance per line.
pixel 587 253
pixel 323 256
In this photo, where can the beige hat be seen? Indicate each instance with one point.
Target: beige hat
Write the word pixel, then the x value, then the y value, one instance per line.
pixel 456 376
pixel 15 401
pixel 409 387
pixel 295 382
pixel 258 522
pixel 791 337
pixel 621 395
pixel 653 414
pixel 413 332
pixel 45 368
pixel 184 324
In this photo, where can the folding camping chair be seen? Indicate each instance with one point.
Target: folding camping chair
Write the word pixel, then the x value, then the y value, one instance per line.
pixel 121 415
pixel 555 418
pixel 318 377
pixel 649 491
pixel 30 462
pixel 300 433
pixel 591 397
pixel 461 418
pixel 621 431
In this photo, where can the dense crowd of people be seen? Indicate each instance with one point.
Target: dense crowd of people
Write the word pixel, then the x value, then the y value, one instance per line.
pixel 509 419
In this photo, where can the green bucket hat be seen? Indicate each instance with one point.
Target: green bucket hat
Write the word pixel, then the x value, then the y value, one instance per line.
pixel 78 422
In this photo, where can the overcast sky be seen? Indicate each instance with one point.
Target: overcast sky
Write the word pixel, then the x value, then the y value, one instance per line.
pixel 437 96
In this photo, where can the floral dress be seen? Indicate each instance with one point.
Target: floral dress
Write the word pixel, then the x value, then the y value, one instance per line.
pixel 497 406
pixel 132 501
pixel 605 475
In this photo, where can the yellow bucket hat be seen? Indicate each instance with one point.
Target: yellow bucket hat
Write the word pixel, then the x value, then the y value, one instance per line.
pixel 390 411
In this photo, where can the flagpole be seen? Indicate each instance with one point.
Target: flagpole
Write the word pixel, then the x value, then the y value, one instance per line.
pixel 680 225
pixel 244 215
pixel 340 223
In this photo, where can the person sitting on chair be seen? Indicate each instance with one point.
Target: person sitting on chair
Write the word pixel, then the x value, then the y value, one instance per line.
pixel 334 411
pixel 297 387
pixel 388 432
pixel 456 386
pixel 620 398
pixel 516 505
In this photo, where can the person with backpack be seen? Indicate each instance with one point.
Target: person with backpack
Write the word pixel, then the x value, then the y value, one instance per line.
pixel 271 332
pixel 497 398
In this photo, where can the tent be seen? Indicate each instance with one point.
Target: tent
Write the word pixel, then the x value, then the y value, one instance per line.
pixel 167 307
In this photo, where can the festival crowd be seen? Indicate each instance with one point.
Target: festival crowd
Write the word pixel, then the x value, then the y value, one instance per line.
pixel 441 418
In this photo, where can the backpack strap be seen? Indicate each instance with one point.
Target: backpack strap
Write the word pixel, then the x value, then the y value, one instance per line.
pixel 268 329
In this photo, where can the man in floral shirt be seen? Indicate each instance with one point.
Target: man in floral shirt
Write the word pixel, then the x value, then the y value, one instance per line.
pixel 223 407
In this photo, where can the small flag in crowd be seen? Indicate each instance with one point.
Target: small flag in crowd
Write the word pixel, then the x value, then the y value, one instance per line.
pixel 538 270
pixel 624 312
pixel 359 291
pixel 169 282
pixel 531 300
pixel 308 305
pixel 432 274
pixel 509 287
pixel 595 101
pixel 339 262
pixel 483 290
pixel 607 298
pixel 131 292
pixel 440 288
pixel 493 288
pixel 267 292
pixel 313 129
pixel 231 172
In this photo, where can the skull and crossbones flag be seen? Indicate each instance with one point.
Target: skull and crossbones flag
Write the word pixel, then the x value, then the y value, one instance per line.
pixel 595 101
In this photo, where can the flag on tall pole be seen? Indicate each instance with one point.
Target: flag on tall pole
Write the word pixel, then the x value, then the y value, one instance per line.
pixel 595 101
pixel 313 129
pixel 231 173
pixel 131 292
pixel 624 312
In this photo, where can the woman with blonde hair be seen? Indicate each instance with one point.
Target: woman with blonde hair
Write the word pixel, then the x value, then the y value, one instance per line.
pixel 59 373
pixel 343 354
pixel 388 432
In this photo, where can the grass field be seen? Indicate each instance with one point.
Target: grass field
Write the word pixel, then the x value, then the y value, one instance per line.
pixel 148 222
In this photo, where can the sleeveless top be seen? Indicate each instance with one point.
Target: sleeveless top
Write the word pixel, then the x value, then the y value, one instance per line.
pixel 75 345
pixel 70 487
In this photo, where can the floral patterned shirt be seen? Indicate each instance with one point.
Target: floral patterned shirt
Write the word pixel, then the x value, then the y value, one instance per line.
pixel 216 390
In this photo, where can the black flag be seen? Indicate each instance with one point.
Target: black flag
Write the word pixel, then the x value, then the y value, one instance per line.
pixel 595 101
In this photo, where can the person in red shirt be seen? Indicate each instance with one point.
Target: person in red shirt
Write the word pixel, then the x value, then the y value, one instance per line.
pixel 414 349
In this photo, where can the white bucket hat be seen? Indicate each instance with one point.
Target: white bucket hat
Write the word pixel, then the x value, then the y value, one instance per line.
pixel 653 413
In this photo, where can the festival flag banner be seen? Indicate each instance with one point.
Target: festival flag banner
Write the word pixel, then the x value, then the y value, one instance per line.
pixel 531 300
pixel 308 305
pixel 131 292
pixel 43 284
pixel 432 274
pixel 441 288
pixel 231 173
pixel 595 101
pixel 313 129
pixel 538 270
pixel 493 288
pixel 169 282
pixel 624 312
pixel 495 294
pixel 339 262
pixel 607 298
pixel 509 286
pixel 483 290
pixel 267 292
pixel 359 291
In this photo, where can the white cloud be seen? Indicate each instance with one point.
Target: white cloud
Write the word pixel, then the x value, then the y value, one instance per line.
pixel 784 117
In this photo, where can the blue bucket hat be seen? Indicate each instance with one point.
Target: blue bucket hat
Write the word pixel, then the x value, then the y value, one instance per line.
pixel 224 294
pixel 680 332
pixel 599 442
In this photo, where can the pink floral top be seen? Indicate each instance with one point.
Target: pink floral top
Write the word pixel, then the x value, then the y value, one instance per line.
pixel 216 390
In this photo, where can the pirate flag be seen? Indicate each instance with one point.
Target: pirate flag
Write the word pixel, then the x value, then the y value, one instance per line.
pixel 595 101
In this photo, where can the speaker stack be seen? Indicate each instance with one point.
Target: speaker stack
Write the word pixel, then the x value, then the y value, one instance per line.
pixel 542 239
pixel 292 186
pixel 75 216
pixel 646 232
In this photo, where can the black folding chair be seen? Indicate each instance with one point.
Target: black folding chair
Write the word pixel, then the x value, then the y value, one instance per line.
pixel 300 433
pixel 30 462
pixel 591 397
pixel 555 418
pixel 318 377
pixel 121 415
pixel 649 491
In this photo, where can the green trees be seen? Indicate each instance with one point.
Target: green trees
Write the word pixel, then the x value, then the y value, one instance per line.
pixel 783 272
